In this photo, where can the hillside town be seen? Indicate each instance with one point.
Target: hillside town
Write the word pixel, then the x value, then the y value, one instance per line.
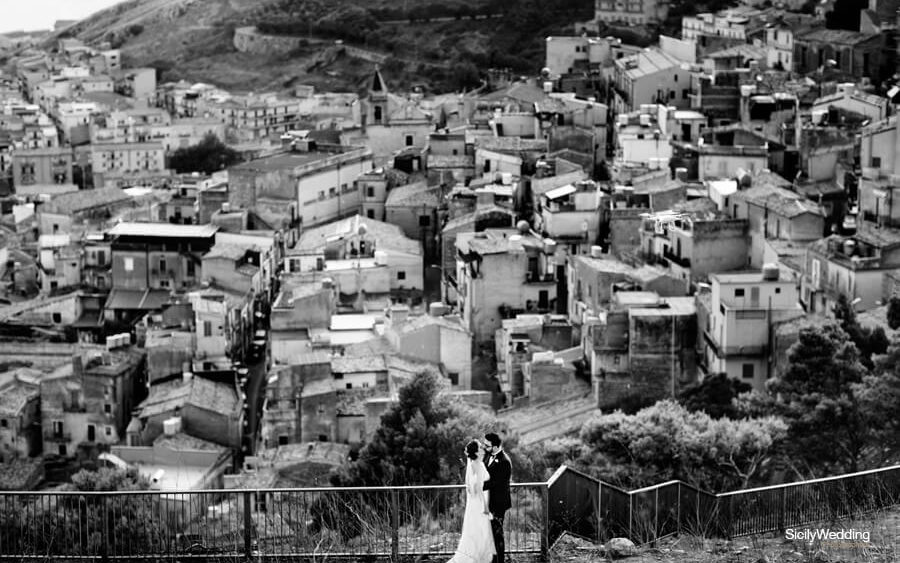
pixel 614 228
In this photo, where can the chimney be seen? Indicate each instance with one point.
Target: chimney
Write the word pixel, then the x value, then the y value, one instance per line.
pixel 398 314
pixel 77 366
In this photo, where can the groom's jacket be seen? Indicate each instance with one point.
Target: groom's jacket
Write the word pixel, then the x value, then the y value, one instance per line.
pixel 498 485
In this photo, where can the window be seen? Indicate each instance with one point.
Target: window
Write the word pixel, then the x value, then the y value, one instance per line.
pixel 207 328
pixel 101 258
pixel 739 292
pixel 377 114
pixel 409 140
pixel 320 409
pixel 747 371
pixel 162 265
pixel 282 440
pixel 454 378
pixel 109 430
pixel 424 220
pixel 684 93
pixel 163 283
pixel 349 386
pixel 616 360
pixel 487 165
pixel 321 195
pixel 876 162
pixel 3 423
pixel 107 408
pixel 401 275
pixel 57 318
pixel 332 192
pixel 370 191
pixel 129 264
pixel 777 290
pixel 191 268
pixel 62 450
pixel 370 213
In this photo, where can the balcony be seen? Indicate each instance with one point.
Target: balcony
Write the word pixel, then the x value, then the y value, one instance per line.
pixel 676 259
pixel 729 351
pixel 534 277
pixel 57 436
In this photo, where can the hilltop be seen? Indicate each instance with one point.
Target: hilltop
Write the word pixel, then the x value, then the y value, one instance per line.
pixel 440 48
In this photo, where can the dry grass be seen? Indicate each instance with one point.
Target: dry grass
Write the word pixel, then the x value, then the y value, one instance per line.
pixel 884 547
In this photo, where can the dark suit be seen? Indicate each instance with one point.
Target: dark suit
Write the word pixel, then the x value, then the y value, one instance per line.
pixel 500 501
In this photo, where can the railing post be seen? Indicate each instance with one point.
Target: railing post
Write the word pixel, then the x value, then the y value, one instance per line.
pixel 782 515
pixel 656 514
pixel 678 508
pixel 630 514
pixel 599 511
pixel 545 522
pixel 248 536
pixel 395 525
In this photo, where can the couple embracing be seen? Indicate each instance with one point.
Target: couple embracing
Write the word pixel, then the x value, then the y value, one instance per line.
pixel 488 471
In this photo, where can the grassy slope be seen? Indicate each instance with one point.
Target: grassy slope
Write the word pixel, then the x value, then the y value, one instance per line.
pixel 192 39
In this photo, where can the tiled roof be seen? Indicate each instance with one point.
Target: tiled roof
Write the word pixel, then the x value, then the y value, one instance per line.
pixel 414 195
pixel 647 62
pixel 387 236
pixel 344 364
pixel 13 398
pixel 84 200
pixel 201 393
pixel 836 36
pixel 784 202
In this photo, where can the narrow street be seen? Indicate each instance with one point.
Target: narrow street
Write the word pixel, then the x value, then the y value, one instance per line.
pixel 256 394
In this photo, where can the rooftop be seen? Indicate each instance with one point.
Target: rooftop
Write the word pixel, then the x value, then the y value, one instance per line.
pixel 784 202
pixel 163 230
pixel 647 62
pixel 419 194
pixel 84 200
pixel 387 236
pixel 284 161
pixel 837 36
pixel 199 392
pixel 750 276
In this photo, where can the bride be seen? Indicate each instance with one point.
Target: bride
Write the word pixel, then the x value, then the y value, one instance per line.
pixel 476 543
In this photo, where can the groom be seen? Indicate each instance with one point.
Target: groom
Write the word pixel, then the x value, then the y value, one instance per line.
pixel 500 470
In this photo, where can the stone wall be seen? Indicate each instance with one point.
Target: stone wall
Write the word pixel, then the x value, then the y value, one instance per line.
pixel 250 40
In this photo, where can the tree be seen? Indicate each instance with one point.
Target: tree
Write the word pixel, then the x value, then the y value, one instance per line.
pixel 666 441
pixel 893 313
pixel 714 395
pixel 211 155
pixel 869 342
pixel 879 398
pixel 78 524
pixel 815 397
pixel 420 440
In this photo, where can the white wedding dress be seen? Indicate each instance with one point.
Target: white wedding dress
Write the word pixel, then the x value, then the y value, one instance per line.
pixel 476 544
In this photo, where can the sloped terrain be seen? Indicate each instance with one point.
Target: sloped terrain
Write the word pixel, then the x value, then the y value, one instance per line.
pixel 193 39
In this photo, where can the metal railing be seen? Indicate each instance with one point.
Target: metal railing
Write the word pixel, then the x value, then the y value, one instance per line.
pixel 397 522
pixel 588 507
pixel 357 523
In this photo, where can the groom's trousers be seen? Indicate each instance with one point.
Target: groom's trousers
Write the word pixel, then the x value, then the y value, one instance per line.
pixel 499 541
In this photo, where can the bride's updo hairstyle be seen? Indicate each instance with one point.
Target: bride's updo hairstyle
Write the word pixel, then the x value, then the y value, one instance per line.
pixel 472 449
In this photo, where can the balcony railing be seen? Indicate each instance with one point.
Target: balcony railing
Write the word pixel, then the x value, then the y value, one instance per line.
pixel 356 524
pixel 531 277
pixel 680 260
pixel 403 522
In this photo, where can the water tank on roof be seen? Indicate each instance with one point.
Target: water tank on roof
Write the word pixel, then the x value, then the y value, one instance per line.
pixel 849 247
pixel 172 426
pixel 506 178
pixel 771 272
pixel 596 252
pixel 549 246
pixel 744 179
pixel 437 309
pixel 523 227
pixel 327 283
pixel 681 174
pixel 645 120
pixel 380 258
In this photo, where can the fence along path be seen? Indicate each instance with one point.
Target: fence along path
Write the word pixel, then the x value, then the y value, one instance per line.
pixel 588 507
